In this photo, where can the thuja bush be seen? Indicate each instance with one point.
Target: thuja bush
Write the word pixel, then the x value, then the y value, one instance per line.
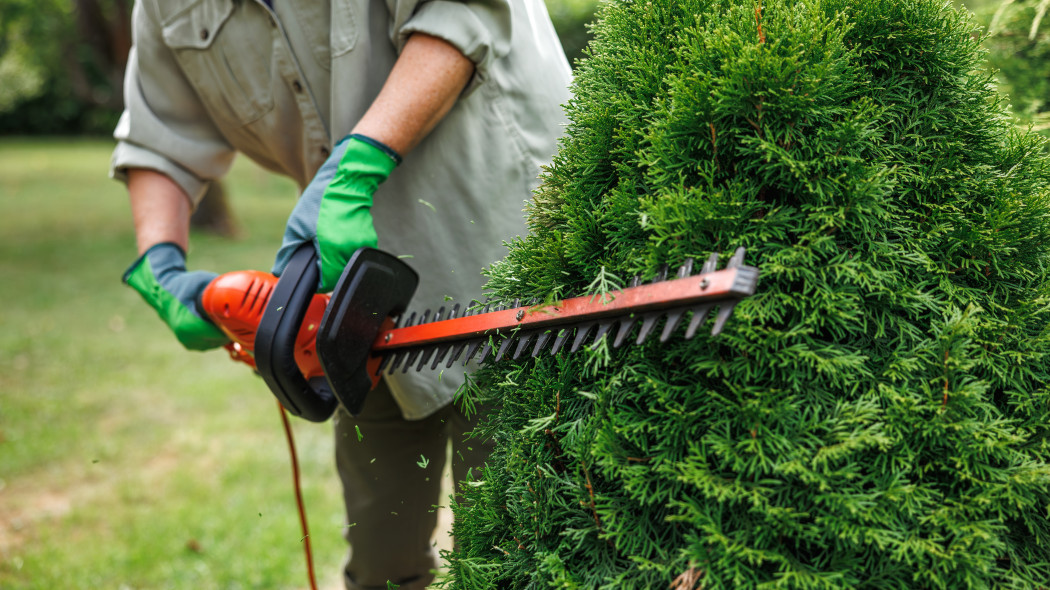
pixel 875 416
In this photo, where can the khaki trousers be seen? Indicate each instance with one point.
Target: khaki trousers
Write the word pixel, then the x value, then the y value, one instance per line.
pixel 391 472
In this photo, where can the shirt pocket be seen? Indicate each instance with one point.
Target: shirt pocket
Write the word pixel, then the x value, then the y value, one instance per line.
pixel 226 57
pixel 343 27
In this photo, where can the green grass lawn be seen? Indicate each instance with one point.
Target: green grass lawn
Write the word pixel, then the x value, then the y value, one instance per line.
pixel 126 461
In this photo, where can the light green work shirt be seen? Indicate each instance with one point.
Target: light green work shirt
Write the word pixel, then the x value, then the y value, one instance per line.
pixel 209 78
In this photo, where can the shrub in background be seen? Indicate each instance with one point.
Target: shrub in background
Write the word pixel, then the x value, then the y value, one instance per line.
pixel 875 416
pixel 1018 40
pixel 571 19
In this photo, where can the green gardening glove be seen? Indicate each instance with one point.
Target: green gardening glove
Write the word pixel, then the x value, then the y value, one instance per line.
pixel 334 212
pixel 160 277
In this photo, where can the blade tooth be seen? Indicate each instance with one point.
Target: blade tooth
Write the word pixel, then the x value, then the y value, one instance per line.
pixel 485 352
pixel 710 264
pixel 423 318
pixel 662 275
pixel 440 312
pixel 541 341
pixel 635 281
pixel 699 315
pixel 384 363
pixel 517 303
pixel 411 320
pixel 523 343
pixel 453 312
pixel 456 351
pixel 581 335
pixel 738 258
pixel 723 316
pixel 686 269
pixel 503 348
pixel 425 357
pixel 648 323
pixel 674 318
pixel 396 359
pixel 626 325
pixel 603 329
pixel 412 355
pixel 472 349
pixel 559 341
pixel 441 352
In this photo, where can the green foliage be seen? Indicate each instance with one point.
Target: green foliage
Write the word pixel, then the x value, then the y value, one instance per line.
pixel 49 79
pixel 1018 40
pixel 875 415
pixel 23 59
pixel 570 18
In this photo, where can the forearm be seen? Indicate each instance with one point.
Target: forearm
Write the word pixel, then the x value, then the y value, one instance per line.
pixel 423 86
pixel 160 209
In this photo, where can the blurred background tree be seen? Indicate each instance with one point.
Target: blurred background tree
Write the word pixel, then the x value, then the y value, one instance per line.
pixel 1018 40
pixel 571 19
pixel 61 65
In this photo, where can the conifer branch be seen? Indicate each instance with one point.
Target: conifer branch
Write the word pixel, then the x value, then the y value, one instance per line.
pixel 758 21
pixel 590 490
pixel 687 580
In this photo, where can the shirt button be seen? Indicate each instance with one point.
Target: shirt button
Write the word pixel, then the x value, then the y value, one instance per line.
pixel 297 86
pixel 204 34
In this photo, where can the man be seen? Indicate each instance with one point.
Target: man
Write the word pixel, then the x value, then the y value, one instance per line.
pixel 418 124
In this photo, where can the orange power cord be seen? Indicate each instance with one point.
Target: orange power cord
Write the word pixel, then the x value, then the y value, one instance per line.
pixel 299 496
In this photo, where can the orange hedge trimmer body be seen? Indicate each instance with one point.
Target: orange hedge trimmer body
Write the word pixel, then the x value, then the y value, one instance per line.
pixel 316 351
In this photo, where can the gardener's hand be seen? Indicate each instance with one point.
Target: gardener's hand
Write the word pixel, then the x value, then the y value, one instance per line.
pixel 160 277
pixel 334 212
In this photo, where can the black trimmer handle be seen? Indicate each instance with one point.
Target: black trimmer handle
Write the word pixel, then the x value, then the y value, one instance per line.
pixel 275 341
pixel 374 286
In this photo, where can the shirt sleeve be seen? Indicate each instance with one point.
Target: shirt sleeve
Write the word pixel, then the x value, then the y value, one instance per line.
pixel 164 126
pixel 479 29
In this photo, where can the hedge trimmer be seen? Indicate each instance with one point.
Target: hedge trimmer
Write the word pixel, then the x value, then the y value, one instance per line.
pixel 315 351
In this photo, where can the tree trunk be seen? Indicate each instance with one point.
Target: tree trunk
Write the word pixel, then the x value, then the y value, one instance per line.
pixel 214 215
